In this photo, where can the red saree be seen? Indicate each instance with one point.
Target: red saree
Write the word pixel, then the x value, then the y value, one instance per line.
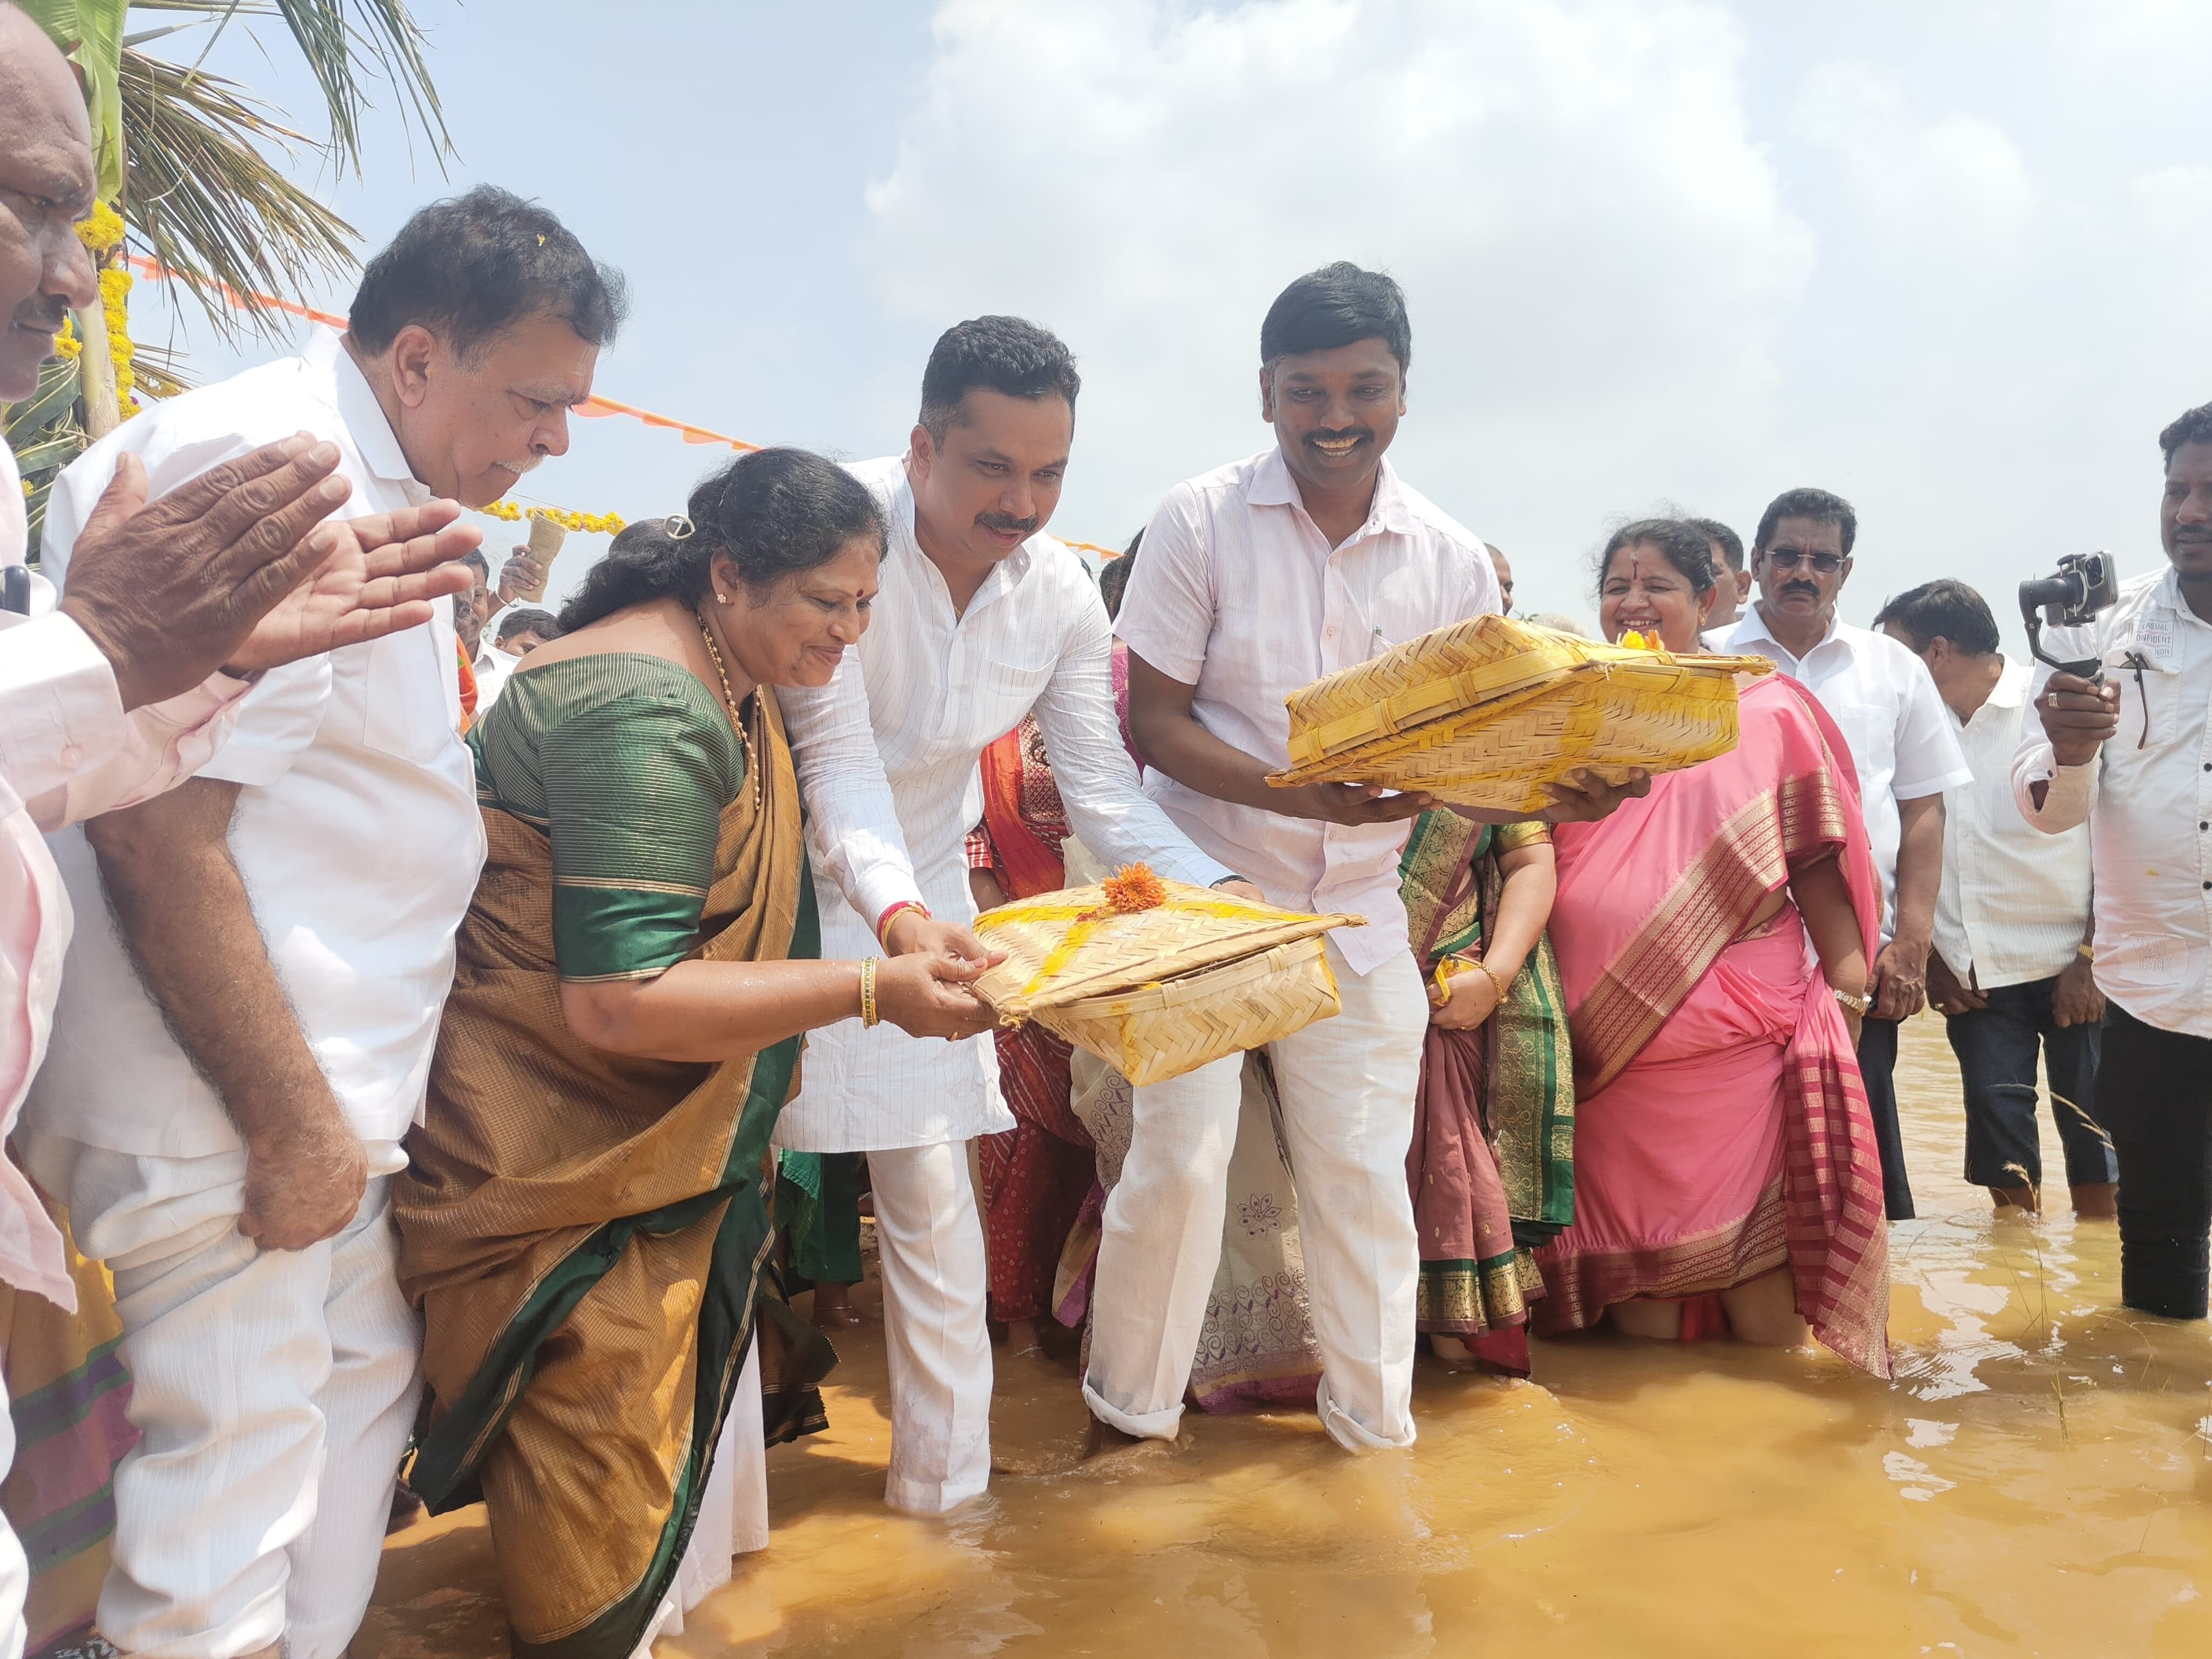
pixel 1722 1129
pixel 1036 1175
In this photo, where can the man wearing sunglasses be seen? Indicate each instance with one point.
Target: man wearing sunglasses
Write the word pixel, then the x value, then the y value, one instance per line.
pixel 1903 743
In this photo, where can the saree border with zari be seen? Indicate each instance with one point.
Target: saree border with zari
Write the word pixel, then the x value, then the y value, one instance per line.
pixel 643 1238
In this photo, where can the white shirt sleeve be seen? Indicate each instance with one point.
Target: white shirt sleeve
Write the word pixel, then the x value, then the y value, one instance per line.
pixel 1167 612
pixel 2072 790
pixel 279 716
pixel 853 829
pixel 1107 807
pixel 60 714
pixel 1928 758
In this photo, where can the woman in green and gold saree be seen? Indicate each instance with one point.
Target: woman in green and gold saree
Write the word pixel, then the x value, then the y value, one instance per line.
pixel 1492 1163
pixel 585 1221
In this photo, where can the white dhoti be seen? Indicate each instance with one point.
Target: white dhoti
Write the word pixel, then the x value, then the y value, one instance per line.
pixel 1347 1086
pixel 274 1391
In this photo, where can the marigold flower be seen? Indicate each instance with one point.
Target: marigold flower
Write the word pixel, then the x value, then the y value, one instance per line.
pixel 1132 888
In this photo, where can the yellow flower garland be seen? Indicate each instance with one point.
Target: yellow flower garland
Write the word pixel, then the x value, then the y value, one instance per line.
pixel 597 524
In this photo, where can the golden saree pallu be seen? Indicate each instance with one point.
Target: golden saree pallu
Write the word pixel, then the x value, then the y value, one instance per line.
pixel 1487 711
pixel 1158 978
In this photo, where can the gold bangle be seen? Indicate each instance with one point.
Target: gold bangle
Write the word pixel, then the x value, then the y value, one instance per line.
pixel 2085 952
pixel 868 992
pixel 1490 973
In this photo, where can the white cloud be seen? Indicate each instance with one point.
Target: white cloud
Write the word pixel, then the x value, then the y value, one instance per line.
pixel 1596 252
pixel 1953 180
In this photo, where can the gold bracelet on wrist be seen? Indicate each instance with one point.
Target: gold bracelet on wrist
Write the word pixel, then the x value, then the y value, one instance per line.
pixel 1490 973
pixel 2085 952
pixel 868 1016
pixel 1860 1006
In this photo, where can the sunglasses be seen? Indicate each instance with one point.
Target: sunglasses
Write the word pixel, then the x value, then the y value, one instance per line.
pixel 1789 558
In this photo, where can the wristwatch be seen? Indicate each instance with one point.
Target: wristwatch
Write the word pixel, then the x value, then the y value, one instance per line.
pixel 1860 1006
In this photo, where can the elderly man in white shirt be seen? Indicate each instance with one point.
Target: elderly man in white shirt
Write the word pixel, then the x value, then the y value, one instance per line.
pixel 1257 578
pixel 113 696
pixel 2132 758
pixel 224 1140
pixel 981 619
pixel 1903 743
pixel 2011 970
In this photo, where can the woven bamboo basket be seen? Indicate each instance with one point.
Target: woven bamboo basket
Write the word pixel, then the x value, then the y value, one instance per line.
pixel 1161 990
pixel 1484 713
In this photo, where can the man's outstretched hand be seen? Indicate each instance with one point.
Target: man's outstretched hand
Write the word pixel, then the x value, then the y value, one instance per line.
pixel 379 574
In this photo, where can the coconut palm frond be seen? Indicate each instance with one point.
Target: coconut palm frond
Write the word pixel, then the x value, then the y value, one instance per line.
pixel 211 206
pixel 340 39
pixel 159 370
pixel 45 435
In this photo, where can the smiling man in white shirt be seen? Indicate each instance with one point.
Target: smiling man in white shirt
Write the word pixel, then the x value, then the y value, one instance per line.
pixel 223 1139
pixel 2132 758
pixel 981 619
pixel 1256 579
pixel 2010 971
pixel 1903 743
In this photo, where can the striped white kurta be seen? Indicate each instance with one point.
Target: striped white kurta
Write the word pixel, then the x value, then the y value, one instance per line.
pixel 887 757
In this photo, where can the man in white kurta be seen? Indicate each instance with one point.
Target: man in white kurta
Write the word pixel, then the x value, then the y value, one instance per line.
pixel 1252 582
pixel 238 1188
pixel 885 756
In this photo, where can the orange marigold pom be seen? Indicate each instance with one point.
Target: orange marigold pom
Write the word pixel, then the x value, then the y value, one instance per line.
pixel 1132 888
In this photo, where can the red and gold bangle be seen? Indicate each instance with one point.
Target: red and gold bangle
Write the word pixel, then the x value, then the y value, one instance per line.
pixel 891 915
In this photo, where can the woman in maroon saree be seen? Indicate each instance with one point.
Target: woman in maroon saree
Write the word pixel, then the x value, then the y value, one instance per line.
pixel 1726 1176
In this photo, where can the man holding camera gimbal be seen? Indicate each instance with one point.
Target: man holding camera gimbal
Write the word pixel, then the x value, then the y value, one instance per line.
pixel 2129 753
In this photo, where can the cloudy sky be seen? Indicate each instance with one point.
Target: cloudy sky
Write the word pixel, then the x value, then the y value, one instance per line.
pixel 1946 260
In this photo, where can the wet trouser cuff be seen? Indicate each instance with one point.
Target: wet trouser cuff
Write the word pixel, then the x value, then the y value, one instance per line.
pixel 2164 1276
pixel 1145 1425
pixel 1355 1437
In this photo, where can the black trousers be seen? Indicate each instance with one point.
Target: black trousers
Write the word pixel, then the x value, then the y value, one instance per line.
pixel 2155 1097
pixel 1877 1064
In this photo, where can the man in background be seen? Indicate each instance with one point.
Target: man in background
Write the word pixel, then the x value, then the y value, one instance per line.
pixel 224 1140
pixel 521 628
pixel 2010 972
pixel 1735 584
pixel 2129 757
pixel 1903 743
pixel 1504 571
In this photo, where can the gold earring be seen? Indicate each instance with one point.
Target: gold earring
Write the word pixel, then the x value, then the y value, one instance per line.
pixel 722 598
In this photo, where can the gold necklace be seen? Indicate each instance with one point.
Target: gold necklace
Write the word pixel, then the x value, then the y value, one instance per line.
pixel 736 715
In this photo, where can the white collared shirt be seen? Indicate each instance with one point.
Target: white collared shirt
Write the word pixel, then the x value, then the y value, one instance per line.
pixel 1903 740
pixel 68 750
pixel 2147 799
pixel 1236 592
pixel 886 755
pixel 357 832
pixel 493 669
pixel 2014 905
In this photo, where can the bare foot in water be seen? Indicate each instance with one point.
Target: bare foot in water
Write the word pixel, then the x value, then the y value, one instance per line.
pixel 1022 1337
pixel 833 1305
pixel 2097 1200
pixel 1452 1351
pixel 1104 1440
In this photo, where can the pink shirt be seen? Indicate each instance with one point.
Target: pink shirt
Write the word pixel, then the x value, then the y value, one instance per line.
pixel 68 751
pixel 1236 592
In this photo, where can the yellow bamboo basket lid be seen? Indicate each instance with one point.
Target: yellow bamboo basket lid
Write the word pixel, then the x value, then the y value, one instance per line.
pixel 1486 712
pixel 1155 977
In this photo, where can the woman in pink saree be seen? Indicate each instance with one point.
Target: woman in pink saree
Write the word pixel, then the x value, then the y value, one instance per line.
pixel 1713 940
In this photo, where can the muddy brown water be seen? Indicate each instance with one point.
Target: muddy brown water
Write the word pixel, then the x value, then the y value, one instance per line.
pixel 2034 1482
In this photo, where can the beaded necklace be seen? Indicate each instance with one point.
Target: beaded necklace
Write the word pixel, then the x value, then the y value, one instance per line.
pixel 737 714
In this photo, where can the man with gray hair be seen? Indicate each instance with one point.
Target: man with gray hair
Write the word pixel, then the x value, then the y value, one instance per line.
pixel 224 1140
pixel 117 692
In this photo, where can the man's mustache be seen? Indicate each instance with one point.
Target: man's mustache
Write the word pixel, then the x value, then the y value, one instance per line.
pixel 42 312
pixel 1007 524
pixel 1810 588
